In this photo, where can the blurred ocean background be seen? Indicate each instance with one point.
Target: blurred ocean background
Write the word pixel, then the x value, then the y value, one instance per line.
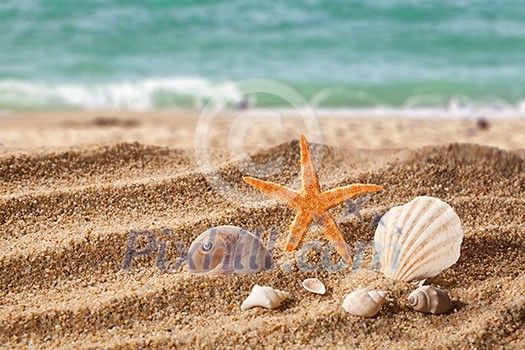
pixel 393 55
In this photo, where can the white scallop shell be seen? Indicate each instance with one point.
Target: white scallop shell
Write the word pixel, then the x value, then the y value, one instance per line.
pixel 265 297
pixel 418 240
pixel 314 285
pixel 364 303
pixel 430 299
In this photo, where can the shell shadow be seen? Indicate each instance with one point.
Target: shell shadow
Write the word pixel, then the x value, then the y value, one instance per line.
pixel 484 253
pixel 457 305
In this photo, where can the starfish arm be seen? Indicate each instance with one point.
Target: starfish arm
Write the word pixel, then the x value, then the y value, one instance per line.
pixel 297 230
pixel 282 194
pixel 308 174
pixel 336 196
pixel 331 231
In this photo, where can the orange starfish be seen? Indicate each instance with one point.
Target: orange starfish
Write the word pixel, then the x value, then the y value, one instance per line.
pixel 311 204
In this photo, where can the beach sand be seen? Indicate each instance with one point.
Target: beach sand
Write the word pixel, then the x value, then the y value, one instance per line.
pixel 252 130
pixel 73 186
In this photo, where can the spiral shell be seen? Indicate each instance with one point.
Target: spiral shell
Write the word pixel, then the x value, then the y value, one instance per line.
pixel 227 250
pixel 430 299
pixel 265 297
pixel 418 240
pixel 364 303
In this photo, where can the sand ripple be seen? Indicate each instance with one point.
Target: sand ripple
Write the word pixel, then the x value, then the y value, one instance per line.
pixel 65 217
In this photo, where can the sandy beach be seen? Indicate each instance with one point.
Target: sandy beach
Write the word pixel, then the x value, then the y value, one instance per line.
pixel 253 130
pixel 75 184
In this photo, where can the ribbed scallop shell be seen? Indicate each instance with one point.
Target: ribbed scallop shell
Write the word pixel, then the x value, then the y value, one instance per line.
pixel 363 303
pixel 430 299
pixel 263 296
pixel 418 240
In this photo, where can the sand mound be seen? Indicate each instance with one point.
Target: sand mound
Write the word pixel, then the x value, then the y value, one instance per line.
pixel 66 217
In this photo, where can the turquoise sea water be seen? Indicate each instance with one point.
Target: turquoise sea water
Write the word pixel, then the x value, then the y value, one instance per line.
pixel 140 54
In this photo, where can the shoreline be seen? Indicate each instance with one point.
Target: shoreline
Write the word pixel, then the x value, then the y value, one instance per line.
pixel 250 130
pixel 517 112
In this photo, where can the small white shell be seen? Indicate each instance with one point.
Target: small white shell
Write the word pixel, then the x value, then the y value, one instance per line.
pixel 418 240
pixel 430 299
pixel 363 303
pixel 314 285
pixel 265 297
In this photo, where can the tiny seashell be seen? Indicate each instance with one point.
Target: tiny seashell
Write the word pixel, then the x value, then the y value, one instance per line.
pixel 418 240
pixel 227 250
pixel 363 303
pixel 314 285
pixel 265 297
pixel 430 299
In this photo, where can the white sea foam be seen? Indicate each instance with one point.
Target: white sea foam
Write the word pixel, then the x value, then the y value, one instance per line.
pixel 195 93
pixel 138 95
